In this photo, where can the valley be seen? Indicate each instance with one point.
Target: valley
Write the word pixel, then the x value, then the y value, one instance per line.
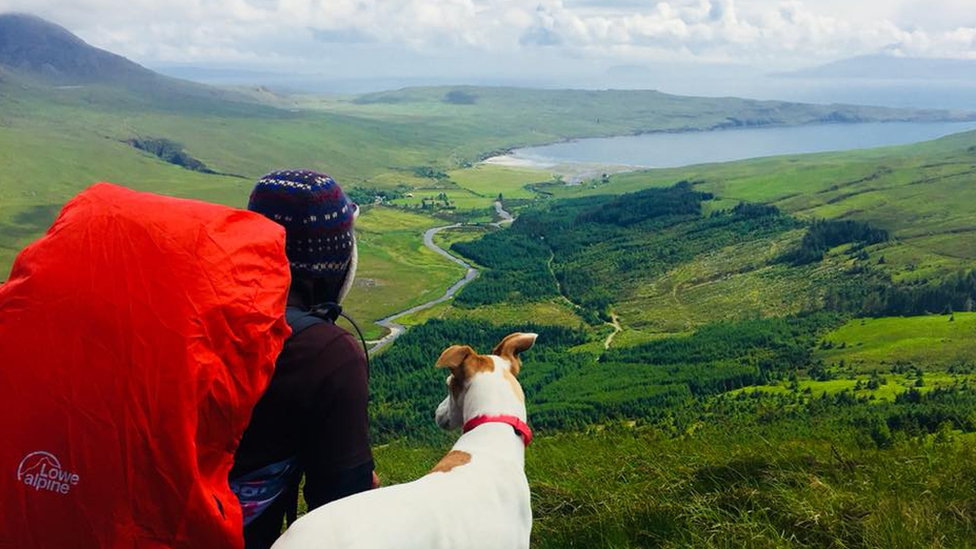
pixel 771 352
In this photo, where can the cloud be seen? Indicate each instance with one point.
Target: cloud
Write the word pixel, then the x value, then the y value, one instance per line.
pixel 302 32
pixel 542 32
pixel 342 36
pixel 540 36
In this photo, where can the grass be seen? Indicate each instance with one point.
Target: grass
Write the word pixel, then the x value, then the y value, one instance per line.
pixel 727 283
pixel 892 348
pixel 444 239
pixel 44 169
pixel 765 488
pixel 932 342
pixel 477 187
pixel 461 199
pixel 489 181
pixel 894 385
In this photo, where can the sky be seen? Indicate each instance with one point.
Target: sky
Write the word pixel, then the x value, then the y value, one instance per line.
pixel 517 39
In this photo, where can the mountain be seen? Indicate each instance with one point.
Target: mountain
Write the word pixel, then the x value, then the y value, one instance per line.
pixel 39 58
pixel 885 67
pixel 43 49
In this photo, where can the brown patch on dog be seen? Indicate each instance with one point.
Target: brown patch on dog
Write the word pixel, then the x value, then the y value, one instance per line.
pixel 464 364
pixel 454 356
pixel 454 458
pixel 516 386
pixel 511 346
pixel 476 364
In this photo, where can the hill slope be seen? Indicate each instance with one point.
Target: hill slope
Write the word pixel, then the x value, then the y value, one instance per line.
pixel 511 117
pixel 40 57
pixel 33 45
pixel 920 193
pixel 56 138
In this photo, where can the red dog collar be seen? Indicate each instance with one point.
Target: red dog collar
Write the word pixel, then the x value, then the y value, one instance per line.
pixel 521 428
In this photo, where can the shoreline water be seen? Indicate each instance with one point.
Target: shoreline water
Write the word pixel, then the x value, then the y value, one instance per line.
pixel 586 158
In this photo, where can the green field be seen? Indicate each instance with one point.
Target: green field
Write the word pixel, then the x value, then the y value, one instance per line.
pixel 461 199
pixel 730 282
pixel 857 385
pixel 489 181
pixel 933 342
pixel 475 188
pixel 552 311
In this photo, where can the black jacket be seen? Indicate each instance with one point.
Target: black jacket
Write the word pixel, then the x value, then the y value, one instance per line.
pixel 316 409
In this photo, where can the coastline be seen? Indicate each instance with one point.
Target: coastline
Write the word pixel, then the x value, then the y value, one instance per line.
pixel 574 172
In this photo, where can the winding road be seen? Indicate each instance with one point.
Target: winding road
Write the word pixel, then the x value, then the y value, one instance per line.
pixel 390 323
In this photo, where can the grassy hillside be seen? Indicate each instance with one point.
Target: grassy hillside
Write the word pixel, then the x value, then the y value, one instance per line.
pixel 56 140
pixel 762 488
pixel 664 451
pixel 937 342
pixel 822 464
pixel 59 139
pixel 920 193
pixel 510 117
pixel 655 258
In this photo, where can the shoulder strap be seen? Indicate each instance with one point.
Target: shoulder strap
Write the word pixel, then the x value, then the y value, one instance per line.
pixel 300 320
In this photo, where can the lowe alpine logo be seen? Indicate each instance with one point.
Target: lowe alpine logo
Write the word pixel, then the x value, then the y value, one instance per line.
pixel 42 471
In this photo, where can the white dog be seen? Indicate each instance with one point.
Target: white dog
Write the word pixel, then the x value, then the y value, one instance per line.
pixel 477 497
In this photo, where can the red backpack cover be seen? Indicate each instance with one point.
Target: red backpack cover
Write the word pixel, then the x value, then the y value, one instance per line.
pixel 136 337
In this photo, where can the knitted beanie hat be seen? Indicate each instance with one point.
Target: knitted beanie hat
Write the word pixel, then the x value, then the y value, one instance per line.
pixel 318 220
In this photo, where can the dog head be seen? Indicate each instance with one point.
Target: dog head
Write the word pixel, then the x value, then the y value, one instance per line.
pixel 483 384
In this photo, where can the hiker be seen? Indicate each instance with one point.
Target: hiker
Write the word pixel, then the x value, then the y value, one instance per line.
pixel 312 419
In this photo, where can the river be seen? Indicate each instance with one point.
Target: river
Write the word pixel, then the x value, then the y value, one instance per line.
pixel 397 329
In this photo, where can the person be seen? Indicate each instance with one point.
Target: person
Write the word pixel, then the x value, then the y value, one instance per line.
pixel 312 419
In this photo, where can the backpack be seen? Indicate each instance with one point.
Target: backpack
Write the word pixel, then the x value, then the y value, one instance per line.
pixel 136 337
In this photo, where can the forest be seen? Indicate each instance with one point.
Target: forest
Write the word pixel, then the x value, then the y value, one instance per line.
pixel 588 249
pixel 585 249
pixel 874 294
pixel 826 234
pixel 671 383
pixel 169 151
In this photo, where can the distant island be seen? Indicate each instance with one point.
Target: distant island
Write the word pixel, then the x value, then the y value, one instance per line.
pixel 887 67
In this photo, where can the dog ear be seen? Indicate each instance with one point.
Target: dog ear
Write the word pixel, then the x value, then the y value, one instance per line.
pixel 513 345
pixel 454 357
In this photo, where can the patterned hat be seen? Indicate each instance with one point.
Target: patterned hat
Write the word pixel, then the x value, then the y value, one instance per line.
pixel 317 217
